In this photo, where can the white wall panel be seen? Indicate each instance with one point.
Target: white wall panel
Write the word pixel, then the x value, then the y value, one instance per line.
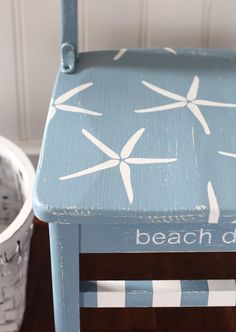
pixel 112 24
pixel 40 35
pixel 175 23
pixel 222 29
pixel 8 84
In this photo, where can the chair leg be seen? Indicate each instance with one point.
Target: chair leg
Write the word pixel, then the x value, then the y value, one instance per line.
pixel 65 250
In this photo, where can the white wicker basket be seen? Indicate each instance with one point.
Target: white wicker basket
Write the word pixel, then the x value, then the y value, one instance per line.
pixel 16 180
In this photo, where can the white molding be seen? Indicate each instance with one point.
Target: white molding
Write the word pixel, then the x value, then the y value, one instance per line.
pixel 206 23
pixel 31 148
pixel 83 17
pixel 82 38
pixel 144 24
pixel 20 66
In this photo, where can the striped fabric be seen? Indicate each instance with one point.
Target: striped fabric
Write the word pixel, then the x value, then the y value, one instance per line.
pixel 158 293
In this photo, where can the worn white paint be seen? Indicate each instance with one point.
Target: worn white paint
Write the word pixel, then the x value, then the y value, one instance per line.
pixel 29 35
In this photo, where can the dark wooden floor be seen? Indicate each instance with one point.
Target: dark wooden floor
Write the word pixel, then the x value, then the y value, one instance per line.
pixel 39 312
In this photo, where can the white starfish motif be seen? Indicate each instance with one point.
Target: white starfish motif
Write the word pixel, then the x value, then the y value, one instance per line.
pixel 190 101
pixel 171 50
pixel 227 154
pixel 59 102
pixel 122 160
pixel 119 54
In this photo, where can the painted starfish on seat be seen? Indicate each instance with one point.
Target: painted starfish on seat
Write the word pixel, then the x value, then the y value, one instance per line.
pixel 190 101
pixel 170 50
pixel 227 154
pixel 122 160
pixel 59 103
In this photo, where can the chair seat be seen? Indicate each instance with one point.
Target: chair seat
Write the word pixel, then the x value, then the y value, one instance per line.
pixel 141 136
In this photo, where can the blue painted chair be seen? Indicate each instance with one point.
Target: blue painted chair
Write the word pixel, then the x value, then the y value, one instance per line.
pixel 138 155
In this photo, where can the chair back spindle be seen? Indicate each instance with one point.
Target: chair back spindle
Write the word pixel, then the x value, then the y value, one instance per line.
pixel 69 35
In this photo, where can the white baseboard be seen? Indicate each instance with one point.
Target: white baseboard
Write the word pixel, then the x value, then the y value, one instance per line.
pixel 31 148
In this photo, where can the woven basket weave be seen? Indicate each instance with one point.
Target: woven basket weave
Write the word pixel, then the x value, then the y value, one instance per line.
pixel 16 179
